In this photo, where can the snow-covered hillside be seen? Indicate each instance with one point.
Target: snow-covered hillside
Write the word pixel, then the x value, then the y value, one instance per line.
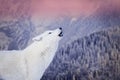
pixel 93 57
pixel 15 34
pixel 20 31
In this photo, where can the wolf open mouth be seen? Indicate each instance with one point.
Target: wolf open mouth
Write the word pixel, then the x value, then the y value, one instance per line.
pixel 61 34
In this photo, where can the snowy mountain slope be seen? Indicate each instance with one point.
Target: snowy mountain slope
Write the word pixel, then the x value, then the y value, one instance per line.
pixel 18 32
pixel 82 26
pixel 22 29
pixel 92 57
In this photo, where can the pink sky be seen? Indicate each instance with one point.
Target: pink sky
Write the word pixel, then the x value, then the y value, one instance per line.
pixel 71 7
pixel 53 8
pixel 58 7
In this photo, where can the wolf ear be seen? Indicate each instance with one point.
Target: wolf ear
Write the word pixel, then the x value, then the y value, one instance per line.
pixel 38 38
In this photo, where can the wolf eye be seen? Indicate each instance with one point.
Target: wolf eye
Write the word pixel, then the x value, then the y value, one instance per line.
pixel 49 32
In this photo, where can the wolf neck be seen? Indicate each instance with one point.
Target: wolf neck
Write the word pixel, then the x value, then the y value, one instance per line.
pixel 36 65
pixel 34 48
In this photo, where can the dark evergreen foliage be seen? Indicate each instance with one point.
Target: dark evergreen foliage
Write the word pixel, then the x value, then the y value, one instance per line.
pixel 94 57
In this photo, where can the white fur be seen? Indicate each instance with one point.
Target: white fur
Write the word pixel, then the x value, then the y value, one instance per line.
pixel 30 63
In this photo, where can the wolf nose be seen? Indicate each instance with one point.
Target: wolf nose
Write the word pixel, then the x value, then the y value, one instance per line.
pixel 61 33
pixel 60 28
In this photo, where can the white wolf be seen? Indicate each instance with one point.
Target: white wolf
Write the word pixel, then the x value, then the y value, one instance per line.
pixel 30 63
